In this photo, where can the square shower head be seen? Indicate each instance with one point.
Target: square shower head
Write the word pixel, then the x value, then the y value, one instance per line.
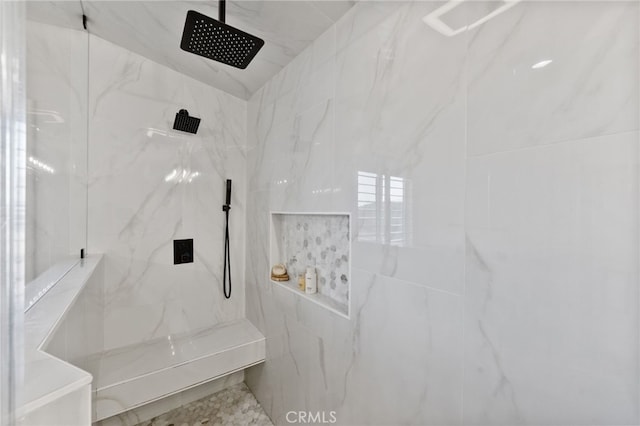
pixel 216 40
pixel 185 123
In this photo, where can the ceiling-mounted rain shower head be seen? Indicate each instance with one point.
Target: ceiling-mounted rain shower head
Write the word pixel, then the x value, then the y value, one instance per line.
pixel 216 40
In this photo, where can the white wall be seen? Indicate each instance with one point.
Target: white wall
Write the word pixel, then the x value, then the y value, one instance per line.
pixel 513 298
pixel 136 210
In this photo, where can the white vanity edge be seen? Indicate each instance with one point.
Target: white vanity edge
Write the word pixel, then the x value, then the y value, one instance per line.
pixel 47 378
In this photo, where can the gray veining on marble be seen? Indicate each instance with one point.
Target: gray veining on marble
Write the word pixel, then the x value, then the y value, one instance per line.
pixel 514 298
pixel 149 185
pixel 154 29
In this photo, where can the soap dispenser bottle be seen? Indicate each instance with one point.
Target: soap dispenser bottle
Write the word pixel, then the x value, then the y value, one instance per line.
pixel 311 281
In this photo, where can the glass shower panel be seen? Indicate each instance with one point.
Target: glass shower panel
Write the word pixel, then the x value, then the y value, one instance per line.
pixel 57 84
pixel 12 199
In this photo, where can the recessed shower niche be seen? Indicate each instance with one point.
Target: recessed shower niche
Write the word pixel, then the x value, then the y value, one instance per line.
pixel 320 240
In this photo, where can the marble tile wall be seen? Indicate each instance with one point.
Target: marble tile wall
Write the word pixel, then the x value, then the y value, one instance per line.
pixel 287 27
pixel 57 76
pixel 552 216
pixel 149 185
pixel 514 297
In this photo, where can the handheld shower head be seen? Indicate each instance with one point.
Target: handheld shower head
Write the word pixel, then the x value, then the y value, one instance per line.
pixel 213 39
pixel 228 192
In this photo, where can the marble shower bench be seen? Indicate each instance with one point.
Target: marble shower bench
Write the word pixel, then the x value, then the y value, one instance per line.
pixel 71 380
pixel 135 375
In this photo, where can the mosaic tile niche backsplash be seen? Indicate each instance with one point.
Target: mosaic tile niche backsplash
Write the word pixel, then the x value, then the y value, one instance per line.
pixel 320 240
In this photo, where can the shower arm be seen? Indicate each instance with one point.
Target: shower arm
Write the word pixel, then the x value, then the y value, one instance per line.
pixel 221 10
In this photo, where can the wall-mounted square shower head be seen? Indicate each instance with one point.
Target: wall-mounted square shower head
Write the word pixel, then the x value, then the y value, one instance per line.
pixel 186 123
pixel 216 40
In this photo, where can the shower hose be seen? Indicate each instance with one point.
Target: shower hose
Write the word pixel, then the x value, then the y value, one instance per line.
pixel 227 255
pixel 227 250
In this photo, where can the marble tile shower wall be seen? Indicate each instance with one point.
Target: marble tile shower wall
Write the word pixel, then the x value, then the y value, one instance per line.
pixel 149 185
pixel 508 290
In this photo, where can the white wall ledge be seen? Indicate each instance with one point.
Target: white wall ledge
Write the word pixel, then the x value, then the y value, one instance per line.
pixel 47 378
pixel 36 289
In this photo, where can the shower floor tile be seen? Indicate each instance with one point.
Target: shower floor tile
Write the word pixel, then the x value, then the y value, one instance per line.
pixel 233 406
